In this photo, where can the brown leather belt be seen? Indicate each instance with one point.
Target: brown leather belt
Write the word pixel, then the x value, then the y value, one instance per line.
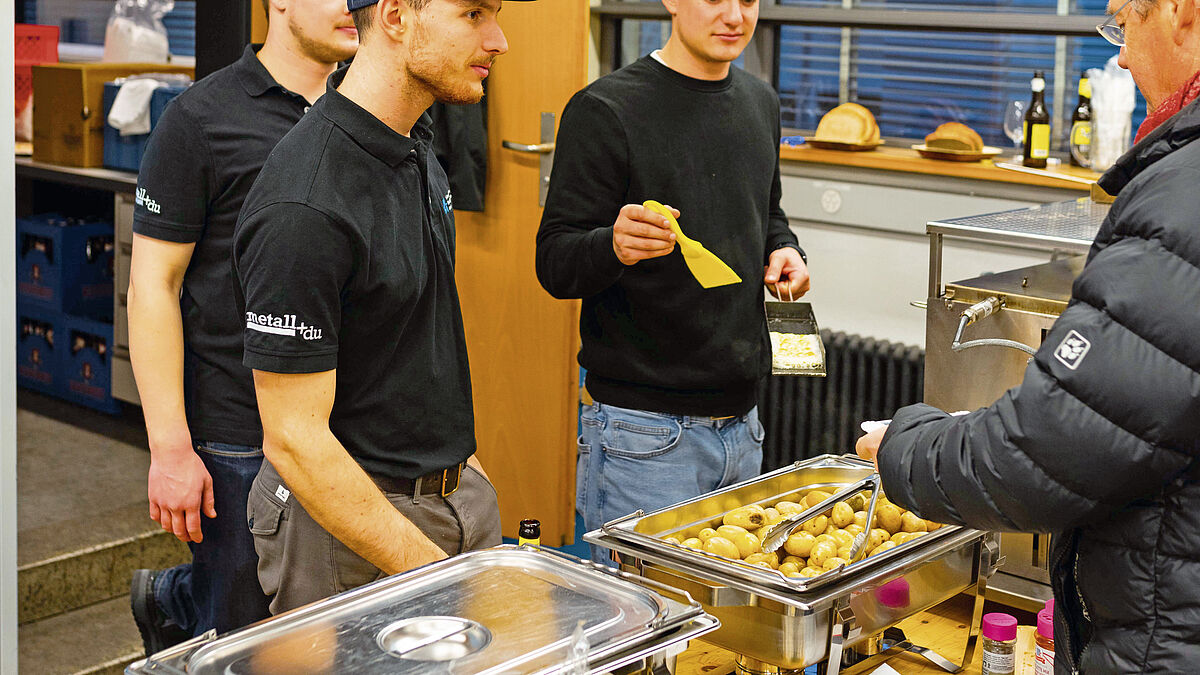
pixel 443 482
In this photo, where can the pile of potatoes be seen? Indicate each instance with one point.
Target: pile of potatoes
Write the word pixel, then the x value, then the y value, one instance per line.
pixel 815 547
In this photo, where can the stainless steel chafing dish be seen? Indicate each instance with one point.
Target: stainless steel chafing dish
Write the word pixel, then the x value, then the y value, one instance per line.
pixel 502 610
pixel 778 624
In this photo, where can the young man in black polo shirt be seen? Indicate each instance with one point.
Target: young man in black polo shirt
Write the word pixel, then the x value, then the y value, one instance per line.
pixel 344 263
pixel 198 399
pixel 673 367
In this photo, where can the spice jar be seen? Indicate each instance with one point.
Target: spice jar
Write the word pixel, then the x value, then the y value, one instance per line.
pixel 999 644
pixel 1043 663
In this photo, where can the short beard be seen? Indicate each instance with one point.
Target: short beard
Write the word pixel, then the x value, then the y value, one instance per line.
pixel 321 52
pixel 429 69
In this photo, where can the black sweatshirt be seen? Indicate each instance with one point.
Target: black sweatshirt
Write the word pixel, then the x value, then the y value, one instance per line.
pixel 653 338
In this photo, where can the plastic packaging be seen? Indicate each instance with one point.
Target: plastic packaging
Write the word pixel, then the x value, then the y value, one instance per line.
pixel 577 659
pixel 1043 663
pixel 135 32
pixel 1113 99
pixel 999 644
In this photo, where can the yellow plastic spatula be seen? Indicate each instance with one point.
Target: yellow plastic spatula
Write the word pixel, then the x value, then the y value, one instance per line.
pixel 708 269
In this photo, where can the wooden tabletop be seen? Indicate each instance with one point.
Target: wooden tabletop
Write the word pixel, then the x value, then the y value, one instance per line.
pixel 942 628
pixel 906 159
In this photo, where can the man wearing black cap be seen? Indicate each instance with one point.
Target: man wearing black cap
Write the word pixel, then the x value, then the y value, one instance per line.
pixel 344 269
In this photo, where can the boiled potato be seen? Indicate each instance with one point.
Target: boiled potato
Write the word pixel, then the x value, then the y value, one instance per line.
pixel 815 497
pixel 706 534
pixel 771 560
pixel 799 544
pixel 750 517
pixel 853 528
pixel 860 519
pixel 877 537
pixel 831 528
pixel 746 543
pixel 858 502
pixel 721 546
pixel 790 568
pixel 901 537
pixel 821 552
pixel 842 537
pixel 841 515
pixel 885 546
pixel 788 508
pixel 799 560
pixel 833 563
pixel 931 526
pixel 811 572
pixel 889 518
pixel 671 540
pixel 692 542
pixel 909 522
pixel 763 564
pixel 773 515
pixel 844 551
pixel 817 525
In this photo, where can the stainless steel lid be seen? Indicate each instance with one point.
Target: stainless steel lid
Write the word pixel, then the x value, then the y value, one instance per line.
pixel 503 610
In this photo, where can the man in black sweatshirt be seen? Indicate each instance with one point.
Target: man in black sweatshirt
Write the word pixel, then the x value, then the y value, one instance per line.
pixel 673 367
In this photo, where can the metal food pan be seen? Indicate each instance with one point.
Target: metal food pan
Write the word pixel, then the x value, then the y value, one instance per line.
pixel 796 318
pixel 827 472
pixel 794 623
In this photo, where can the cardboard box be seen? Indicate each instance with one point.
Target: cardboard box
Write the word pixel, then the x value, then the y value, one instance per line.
pixel 87 364
pixel 68 105
pixel 39 349
pixel 66 266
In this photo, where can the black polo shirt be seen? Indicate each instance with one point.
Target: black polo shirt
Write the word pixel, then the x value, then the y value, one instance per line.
pixel 344 258
pixel 202 158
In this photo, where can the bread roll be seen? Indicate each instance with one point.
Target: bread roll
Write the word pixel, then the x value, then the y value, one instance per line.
pixel 848 123
pixel 955 137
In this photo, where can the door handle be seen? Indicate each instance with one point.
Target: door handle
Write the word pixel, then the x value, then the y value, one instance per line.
pixel 545 148
pixel 537 148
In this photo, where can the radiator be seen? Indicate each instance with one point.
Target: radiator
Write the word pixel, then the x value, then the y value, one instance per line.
pixel 866 379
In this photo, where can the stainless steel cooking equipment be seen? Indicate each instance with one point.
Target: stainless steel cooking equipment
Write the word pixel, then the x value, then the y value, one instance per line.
pixel 796 318
pixel 779 624
pixel 980 333
pixel 502 610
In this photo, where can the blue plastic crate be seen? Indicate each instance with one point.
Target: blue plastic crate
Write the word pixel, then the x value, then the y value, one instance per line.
pixel 124 153
pixel 39 349
pixel 87 364
pixel 65 265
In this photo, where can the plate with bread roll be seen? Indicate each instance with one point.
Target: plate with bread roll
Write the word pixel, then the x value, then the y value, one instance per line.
pixel 848 127
pixel 955 142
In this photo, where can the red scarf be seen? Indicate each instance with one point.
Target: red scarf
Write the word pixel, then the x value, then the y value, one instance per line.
pixel 1185 95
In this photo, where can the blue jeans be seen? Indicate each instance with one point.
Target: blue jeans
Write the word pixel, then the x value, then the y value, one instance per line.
pixel 634 459
pixel 219 588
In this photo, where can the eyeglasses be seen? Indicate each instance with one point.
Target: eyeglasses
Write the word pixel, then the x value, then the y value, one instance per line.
pixel 1112 32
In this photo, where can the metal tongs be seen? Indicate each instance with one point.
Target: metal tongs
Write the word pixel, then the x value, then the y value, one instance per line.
pixel 785 527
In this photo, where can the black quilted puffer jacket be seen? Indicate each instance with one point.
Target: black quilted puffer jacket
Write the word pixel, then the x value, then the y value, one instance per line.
pixel 1099 444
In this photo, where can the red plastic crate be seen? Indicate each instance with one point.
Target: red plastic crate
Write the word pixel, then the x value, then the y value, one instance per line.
pixel 24 87
pixel 35 44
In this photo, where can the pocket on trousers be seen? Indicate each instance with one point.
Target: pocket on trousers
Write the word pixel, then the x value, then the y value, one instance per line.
pixel 640 435
pixel 757 431
pixel 263 517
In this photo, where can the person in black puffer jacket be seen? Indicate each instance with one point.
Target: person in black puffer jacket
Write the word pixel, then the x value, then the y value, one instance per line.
pixel 1100 442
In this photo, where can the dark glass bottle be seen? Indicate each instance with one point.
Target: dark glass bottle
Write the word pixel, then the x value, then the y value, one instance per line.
pixel 530 532
pixel 1037 125
pixel 1081 125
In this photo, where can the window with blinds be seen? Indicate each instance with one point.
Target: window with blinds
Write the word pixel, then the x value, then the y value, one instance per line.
pixel 913 80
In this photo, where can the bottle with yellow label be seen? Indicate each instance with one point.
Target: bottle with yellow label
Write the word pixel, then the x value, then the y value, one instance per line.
pixel 529 532
pixel 1037 125
pixel 1081 125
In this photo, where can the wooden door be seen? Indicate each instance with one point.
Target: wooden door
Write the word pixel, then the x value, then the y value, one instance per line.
pixel 522 343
